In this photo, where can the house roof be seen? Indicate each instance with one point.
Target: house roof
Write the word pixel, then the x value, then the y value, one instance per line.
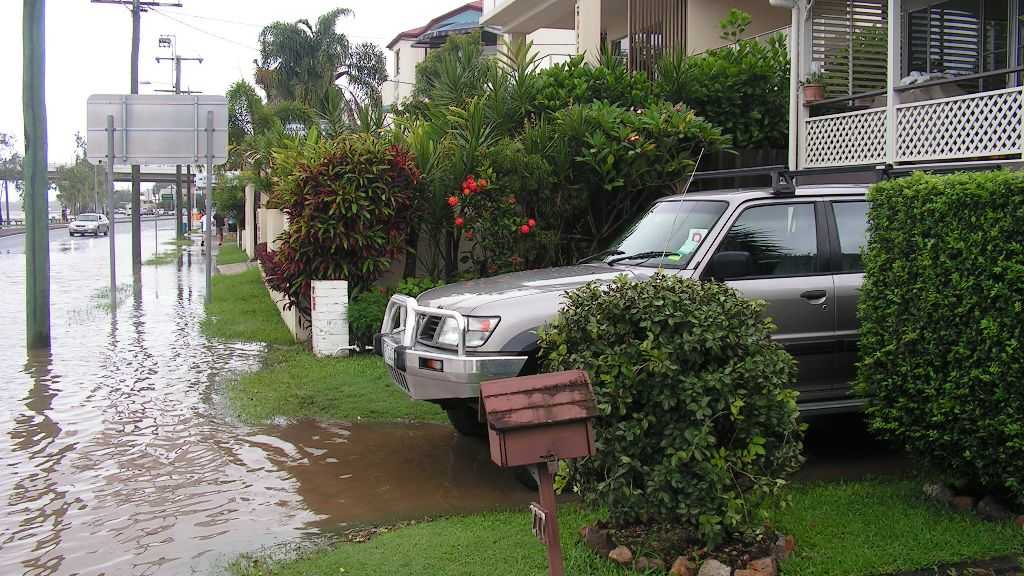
pixel 414 33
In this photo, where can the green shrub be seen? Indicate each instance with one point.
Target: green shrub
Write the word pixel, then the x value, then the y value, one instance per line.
pixel 365 316
pixel 698 425
pixel 348 206
pixel 743 88
pixel 416 286
pixel 942 323
pixel 366 309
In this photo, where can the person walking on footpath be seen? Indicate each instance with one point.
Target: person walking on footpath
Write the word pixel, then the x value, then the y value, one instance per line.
pixel 218 219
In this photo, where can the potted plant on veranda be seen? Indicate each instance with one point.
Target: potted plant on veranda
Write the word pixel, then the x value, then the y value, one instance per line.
pixel 814 87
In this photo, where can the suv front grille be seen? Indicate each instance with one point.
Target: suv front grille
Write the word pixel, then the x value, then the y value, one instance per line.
pixel 428 329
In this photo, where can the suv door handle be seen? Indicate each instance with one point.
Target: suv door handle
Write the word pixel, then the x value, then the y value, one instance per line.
pixel 813 295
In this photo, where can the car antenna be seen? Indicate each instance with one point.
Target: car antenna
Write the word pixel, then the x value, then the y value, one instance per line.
pixel 675 218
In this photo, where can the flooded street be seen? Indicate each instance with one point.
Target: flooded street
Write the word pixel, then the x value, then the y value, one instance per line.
pixel 119 458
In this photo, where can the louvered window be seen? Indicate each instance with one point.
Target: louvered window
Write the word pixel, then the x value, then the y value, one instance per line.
pixel 848 45
pixel 960 37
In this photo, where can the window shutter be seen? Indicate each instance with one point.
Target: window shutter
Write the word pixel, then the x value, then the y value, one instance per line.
pixel 848 45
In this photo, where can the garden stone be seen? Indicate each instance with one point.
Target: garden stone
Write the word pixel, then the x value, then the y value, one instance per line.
pixel 596 539
pixel 963 503
pixel 713 567
pixel 938 492
pixel 645 564
pixel 762 567
pixel 682 567
pixel 990 509
pixel 783 547
pixel 621 555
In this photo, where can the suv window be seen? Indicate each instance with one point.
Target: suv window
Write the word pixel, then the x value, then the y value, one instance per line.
pixel 782 239
pixel 852 226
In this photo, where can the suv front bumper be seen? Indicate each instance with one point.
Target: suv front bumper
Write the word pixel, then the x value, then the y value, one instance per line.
pixel 427 373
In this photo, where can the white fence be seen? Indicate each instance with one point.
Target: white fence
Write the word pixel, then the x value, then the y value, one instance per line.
pixel 961 127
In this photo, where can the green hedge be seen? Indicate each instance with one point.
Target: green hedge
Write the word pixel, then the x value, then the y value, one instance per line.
pixel 942 323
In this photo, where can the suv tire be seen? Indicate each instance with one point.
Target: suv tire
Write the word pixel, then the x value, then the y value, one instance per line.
pixel 464 419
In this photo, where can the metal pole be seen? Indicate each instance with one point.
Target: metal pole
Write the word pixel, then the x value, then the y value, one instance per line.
pixel 208 196
pixel 188 207
pixel 37 229
pixel 177 202
pixel 177 169
pixel 110 210
pixel 546 487
pixel 136 185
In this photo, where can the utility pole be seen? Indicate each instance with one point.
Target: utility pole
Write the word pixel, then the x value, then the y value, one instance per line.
pixel 37 229
pixel 137 7
pixel 172 42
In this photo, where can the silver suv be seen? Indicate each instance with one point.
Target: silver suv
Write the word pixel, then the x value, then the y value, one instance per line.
pixel 800 252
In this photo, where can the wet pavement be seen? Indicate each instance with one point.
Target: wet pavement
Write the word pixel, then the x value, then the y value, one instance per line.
pixel 118 456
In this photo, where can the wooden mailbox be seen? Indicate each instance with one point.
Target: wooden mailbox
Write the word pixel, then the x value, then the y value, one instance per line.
pixel 540 420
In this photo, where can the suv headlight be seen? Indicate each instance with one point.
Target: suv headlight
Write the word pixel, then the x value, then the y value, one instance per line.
pixel 478 330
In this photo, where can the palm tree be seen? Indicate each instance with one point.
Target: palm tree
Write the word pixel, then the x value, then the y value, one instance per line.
pixel 312 64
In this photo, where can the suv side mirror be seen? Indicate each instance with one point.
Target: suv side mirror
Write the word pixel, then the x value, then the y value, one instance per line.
pixel 728 265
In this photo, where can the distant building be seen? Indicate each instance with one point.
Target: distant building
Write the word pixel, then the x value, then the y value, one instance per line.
pixel 410 47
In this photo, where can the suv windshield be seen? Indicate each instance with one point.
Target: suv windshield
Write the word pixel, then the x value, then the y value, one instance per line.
pixel 667 235
pixel 88 217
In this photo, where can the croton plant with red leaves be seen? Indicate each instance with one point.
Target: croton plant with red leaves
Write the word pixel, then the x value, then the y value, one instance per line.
pixel 347 220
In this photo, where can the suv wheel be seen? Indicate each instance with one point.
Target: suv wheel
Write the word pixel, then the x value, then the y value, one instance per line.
pixel 464 419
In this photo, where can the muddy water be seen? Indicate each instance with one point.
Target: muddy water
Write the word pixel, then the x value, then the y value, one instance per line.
pixel 117 457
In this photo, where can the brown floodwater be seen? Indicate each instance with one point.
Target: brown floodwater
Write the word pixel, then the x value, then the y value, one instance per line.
pixel 119 457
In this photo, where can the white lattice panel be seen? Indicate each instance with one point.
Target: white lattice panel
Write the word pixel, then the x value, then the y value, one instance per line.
pixel 976 125
pixel 845 139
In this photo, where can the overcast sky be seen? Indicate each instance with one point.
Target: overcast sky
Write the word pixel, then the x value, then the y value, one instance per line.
pixel 88 49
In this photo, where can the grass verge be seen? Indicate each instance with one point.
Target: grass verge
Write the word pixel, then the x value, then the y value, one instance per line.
pixel 231 254
pixel 297 384
pixel 293 382
pixel 848 529
pixel 241 310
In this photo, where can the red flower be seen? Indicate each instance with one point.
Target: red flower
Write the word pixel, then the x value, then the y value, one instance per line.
pixel 524 229
pixel 531 222
pixel 459 221
pixel 483 183
pixel 511 199
pixel 468 234
pixel 453 201
pixel 466 191
pixel 471 184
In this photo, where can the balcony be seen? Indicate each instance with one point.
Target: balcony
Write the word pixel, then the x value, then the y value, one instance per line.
pixel 957 96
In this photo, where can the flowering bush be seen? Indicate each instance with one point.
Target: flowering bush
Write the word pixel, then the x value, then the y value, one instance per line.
pixel 495 221
pixel 348 213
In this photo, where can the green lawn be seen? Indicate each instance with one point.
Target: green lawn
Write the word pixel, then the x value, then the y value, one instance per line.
pixel 230 253
pixel 293 383
pixel 297 384
pixel 842 529
pixel 241 310
pixel 878 527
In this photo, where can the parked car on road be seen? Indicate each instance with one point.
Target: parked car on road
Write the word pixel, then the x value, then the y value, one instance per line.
pixel 94 224
pixel 800 252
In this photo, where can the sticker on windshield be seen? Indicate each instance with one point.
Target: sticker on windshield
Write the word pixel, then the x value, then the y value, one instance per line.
pixel 693 239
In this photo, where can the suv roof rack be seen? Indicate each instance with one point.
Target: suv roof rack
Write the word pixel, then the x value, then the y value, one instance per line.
pixel 783 184
pixel 783 178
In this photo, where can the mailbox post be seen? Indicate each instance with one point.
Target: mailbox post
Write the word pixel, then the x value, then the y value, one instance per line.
pixel 539 420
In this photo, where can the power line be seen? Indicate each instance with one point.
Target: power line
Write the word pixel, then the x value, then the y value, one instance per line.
pixel 208 33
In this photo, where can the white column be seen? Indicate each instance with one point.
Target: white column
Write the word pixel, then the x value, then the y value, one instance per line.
pixel 795 32
pixel 588 29
pixel 893 78
pixel 329 317
pixel 249 240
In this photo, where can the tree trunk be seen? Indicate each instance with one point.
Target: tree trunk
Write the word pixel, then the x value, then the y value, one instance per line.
pixel 411 244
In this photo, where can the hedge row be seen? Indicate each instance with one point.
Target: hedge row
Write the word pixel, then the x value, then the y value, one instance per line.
pixel 942 323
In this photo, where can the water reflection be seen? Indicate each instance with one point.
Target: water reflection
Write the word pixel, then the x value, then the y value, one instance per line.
pixel 118 456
